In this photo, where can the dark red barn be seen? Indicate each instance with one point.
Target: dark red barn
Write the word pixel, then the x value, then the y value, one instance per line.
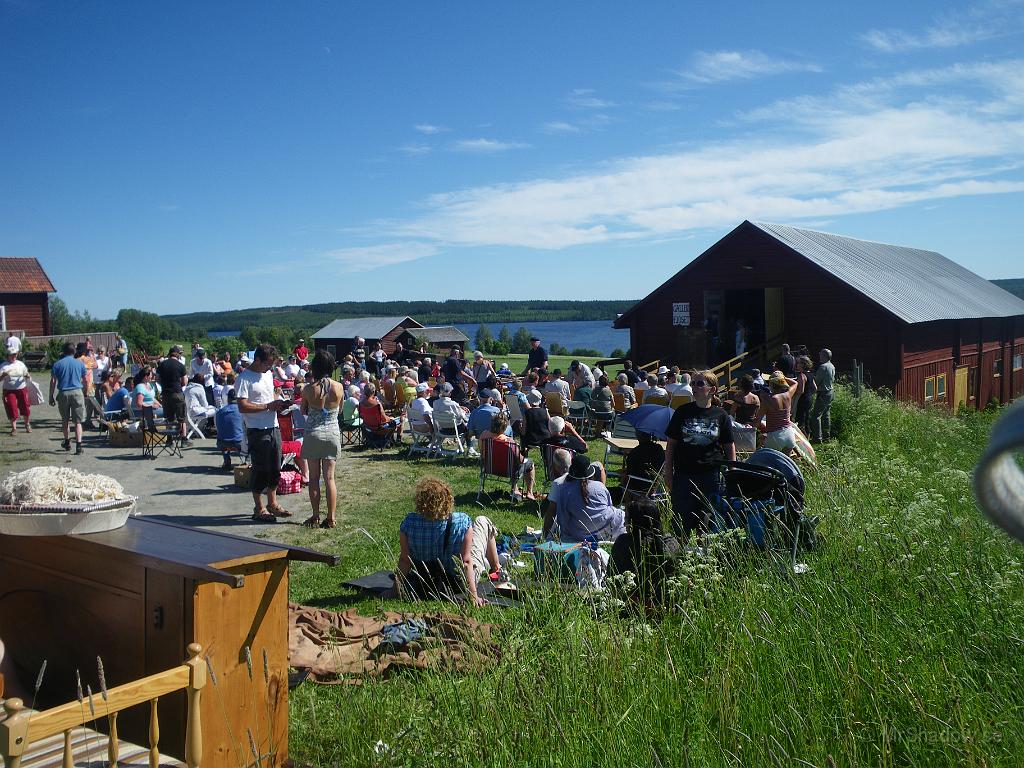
pixel 923 326
pixel 24 296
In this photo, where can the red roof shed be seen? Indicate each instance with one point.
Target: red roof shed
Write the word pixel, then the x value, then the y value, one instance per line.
pixel 24 296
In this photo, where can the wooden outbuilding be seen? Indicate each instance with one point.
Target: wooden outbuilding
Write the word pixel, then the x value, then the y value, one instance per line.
pixel 926 328
pixel 24 296
pixel 338 337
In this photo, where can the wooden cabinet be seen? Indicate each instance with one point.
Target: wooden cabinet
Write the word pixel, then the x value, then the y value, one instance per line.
pixel 136 597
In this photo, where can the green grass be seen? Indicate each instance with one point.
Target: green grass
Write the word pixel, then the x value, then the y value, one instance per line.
pixel 902 646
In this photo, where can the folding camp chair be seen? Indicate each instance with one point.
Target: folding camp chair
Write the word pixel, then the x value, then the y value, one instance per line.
pixel 158 440
pixel 618 402
pixel 600 419
pixel 547 454
pixel 499 459
pixel 577 415
pixel 351 429
pixel 515 411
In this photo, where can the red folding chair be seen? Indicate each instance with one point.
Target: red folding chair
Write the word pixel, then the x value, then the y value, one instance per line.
pixel 499 459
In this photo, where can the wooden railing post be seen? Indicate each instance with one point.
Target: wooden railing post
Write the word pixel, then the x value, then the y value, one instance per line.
pixel 193 727
pixel 113 745
pixel 154 734
pixel 14 733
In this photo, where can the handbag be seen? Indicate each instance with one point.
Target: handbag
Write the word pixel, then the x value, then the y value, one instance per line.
pixel 429 579
pixel 35 394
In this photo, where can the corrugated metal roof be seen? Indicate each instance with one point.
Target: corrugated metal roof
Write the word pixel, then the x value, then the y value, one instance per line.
pixel 367 327
pixel 439 334
pixel 23 275
pixel 917 286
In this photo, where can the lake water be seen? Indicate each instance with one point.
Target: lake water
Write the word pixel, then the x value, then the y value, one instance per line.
pixel 591 334
pixel 573 334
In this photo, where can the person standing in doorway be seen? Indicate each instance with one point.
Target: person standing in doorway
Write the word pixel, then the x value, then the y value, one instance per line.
pixel 824 380
pixel 259 407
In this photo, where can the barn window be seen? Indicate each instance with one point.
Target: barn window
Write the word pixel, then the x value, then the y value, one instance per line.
pixel 333 350
pixel 997 367
pixel 1017 362
pixel 929 389
pixel 940 386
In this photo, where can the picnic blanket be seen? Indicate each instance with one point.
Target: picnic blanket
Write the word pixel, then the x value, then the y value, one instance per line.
pixel 346 648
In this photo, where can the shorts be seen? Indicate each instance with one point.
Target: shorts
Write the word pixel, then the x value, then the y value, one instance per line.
pixel 71 404
pixel 483 531
pixel 265 457
pixel 174 406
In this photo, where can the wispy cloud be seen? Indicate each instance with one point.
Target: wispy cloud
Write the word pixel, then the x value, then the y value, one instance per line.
pixel 168 207
pixel 984 21
pixel 429 129
pixel 415 149
pixel 485 146
pixel 585 98
pixel 559 126
pixel 370 257
pixel 707 67
pixel 880 144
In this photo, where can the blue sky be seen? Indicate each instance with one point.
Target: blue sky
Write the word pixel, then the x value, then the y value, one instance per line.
pixel 201 156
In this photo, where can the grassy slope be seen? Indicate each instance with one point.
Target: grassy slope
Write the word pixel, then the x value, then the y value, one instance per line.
pixel 901 647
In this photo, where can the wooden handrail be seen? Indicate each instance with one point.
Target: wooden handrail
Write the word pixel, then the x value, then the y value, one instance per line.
pixel 726 369
pixel 653 365
pixel 23 726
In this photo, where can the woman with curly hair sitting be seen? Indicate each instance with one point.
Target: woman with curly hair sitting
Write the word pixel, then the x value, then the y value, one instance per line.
pixel 435 533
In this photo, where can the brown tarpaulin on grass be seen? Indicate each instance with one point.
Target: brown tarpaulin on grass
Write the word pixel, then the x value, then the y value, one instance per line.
pixel 347 648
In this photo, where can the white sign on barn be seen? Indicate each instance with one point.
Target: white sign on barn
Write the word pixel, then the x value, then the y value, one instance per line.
pixel 681 313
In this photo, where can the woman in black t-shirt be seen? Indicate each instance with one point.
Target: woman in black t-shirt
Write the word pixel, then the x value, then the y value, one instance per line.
pixel 699 436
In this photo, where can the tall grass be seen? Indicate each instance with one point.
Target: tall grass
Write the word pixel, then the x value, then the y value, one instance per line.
pixel 901 646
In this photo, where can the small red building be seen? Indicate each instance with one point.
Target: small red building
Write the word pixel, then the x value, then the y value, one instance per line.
pixel 923 326
pixel 24 296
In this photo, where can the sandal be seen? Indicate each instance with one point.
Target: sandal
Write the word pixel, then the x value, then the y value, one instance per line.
pixel 312 522
pixel 278 511
pixel 328 523
pixel 261 515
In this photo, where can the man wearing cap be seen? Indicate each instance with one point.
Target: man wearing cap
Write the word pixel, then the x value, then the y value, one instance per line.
pixel 582 375
pixel 421 405
pixel 300 350
pixel 455 375
pixel 172 377
pixel 538 357
pixel 292 369
pixel 480 419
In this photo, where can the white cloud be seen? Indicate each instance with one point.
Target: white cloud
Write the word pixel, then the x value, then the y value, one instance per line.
pixel 415 149
pixel 709 67
pixel 984 21
pixel 369 257
pixel 428 129
pixel 869 146
pixel 584 98
pixel 559 126
pixel 485 146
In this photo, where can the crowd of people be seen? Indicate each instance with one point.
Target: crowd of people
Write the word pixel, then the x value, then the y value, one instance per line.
pixel 244 399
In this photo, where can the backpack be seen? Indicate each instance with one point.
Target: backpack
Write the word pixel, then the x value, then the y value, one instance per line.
pixel 429 579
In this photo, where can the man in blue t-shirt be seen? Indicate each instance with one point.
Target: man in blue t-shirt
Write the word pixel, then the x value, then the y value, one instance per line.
pixel 66 379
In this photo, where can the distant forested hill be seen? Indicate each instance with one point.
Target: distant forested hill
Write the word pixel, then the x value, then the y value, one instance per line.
pixel 428 312
pixel 1014 285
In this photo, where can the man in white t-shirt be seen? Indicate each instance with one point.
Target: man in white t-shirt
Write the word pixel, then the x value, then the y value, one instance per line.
pixel 292 370
pixel 259 407
pixel 13 344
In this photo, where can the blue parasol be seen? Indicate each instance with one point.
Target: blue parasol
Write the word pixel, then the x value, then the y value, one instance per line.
pixel 652 419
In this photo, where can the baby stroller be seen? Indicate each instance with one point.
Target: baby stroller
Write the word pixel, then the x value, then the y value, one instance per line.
pixel 765 496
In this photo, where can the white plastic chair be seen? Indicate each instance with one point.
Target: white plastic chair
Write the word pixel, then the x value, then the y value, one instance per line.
pixel 446 427
pixel 422 434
